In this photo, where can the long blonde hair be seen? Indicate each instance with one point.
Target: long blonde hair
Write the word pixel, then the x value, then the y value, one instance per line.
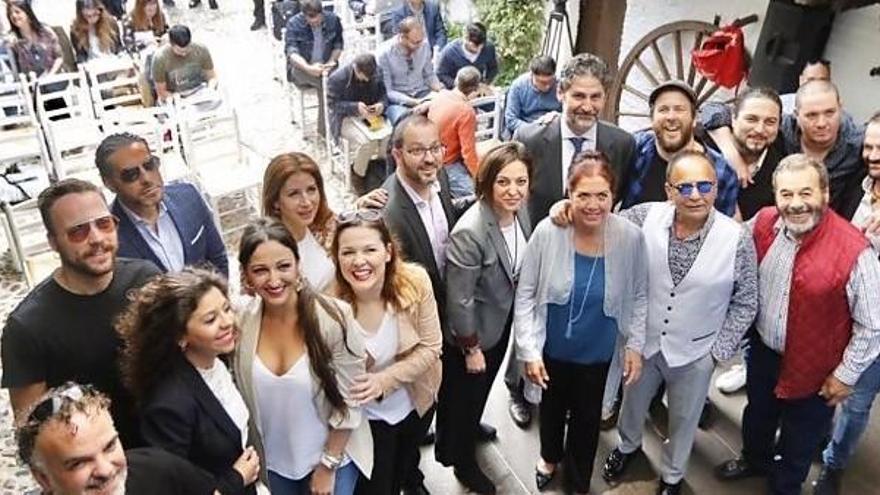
pixel 106 29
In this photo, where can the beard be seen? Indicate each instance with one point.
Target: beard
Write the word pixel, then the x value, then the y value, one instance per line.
pixel 83 267
pixel 799 229
pixel 672 145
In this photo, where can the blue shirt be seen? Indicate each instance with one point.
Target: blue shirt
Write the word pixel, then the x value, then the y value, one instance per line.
pixel 165 241
pixel 406 76
pixel 579 331
pixel 453 58
pixel 526 104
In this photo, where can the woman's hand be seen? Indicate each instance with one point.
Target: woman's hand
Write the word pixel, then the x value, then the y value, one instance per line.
pixel 367 387
pixel 248 465
pixel 537 373
pixel 475 361
pixel 322 481
pixel 632 366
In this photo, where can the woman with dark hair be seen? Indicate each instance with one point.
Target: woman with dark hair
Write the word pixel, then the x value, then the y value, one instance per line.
pixel 146 19
pixel 35 46
pixel 396 314
pixel 581 286
pixel 94 33
pixel 175 332
pixel 295 366
pixel 484 255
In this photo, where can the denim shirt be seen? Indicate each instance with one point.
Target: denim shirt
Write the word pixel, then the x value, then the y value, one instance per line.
pixel 299 39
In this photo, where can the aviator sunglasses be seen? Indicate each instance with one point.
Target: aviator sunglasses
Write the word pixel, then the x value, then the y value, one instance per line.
pixel 133 173
pixel 703 187
pixel 80 232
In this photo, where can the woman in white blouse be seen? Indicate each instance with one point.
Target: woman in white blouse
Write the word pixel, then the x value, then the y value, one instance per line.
pixel 295 365
pixel 175 331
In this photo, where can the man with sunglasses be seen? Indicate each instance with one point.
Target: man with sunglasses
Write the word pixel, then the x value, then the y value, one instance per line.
pixel 63 330
pixel 702 297
pixel 170 225
pixel 71 446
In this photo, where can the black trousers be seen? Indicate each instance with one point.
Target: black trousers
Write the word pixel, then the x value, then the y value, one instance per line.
pixel 259 11
pixel 575 390
pixel 396 454
pixel 462 399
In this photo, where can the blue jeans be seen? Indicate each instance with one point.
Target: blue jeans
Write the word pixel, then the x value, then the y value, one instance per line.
pixel 853 418
pixel 396 112
pixel 346 479
pixel 460 181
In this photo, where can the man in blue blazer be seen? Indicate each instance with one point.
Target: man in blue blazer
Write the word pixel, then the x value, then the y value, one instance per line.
pixel 169 225
pixel 428 14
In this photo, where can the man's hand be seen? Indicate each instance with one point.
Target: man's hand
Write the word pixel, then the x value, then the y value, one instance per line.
pixel 723 137
pixel 632 367
pixel 547 117
pixel 377 199
pixel 475 362
pixel 560 213
pixel 537 373
pixel 248 465
pixel 322 481
pixel 834 391
pixel 363 110
pixel 316 70
pixel 377 109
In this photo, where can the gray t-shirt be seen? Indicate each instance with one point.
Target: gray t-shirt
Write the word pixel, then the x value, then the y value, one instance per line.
pixel 182 74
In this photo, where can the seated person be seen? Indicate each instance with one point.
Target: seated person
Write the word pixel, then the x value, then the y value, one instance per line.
pixel 69 442
pixel 356 91
pixel 182 66
pixel 407 70
pixel 382 8
pixel 532 94
pixel 457 121
pixel 312 44
pixel 427 14
pixel 145 26
pixel 94 33
pixel 471 49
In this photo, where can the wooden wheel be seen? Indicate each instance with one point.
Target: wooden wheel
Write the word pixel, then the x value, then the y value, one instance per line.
pixel 661 55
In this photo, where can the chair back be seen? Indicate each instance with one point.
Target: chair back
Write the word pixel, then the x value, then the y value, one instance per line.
pixel 31 252
pixel 489 115
pixel 114 82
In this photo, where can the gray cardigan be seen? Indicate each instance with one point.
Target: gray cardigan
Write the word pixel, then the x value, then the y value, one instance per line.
pixel 546 278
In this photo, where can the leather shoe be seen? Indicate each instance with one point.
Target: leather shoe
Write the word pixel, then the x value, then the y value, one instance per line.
pixel 543 479
pixel 429 437
pixel 669 488
pixel 736 469
pixel 828 482
pixel 520 413
pixel 420 489
pixel 474 479
pixel 486 433
pixel 194 3
pixel 258 24
pixel 616 464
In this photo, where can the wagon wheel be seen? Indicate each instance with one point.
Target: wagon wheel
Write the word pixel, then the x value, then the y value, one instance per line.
pixel 661 55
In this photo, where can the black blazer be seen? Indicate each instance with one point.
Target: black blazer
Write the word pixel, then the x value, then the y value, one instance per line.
pixel 184 417
pixel 543 140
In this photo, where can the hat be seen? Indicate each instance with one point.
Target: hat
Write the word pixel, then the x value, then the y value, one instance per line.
pixel 674 85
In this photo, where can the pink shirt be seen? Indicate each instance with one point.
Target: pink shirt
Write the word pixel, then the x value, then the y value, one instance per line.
pixel 433 219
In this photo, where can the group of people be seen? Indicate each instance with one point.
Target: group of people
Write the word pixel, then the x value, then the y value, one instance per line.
pixel 605 267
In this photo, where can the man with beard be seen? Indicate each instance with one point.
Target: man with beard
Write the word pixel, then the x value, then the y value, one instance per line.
pixel 673 106
pixel 63 330
pixel 817 329
pixel 71 446
pixel 856 410
pixel 168 225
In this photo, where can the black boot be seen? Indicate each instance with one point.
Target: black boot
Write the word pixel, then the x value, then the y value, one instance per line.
pixel 828 482
pixel 212 4
pixel 194 3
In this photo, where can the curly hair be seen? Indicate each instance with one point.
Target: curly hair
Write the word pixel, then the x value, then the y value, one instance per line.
pixel 106 28
pixel 154 322
pixel 320 355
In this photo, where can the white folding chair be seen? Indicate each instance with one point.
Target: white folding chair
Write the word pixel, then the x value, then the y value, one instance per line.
pixel 65 111
pixel 489 121
pixel 114 84
pixel 20 134
pixel 8 69
pixel 29 243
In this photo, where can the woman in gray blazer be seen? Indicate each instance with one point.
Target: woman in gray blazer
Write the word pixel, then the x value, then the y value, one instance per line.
pixel 485 251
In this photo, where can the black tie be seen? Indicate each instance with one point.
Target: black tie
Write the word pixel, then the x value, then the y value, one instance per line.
pixel 578 143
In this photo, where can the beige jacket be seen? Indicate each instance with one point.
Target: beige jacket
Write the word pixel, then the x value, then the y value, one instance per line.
pixel 346 364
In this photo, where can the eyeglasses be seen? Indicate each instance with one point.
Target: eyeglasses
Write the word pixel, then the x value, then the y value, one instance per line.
pixel 436 150
pixel 80 232
pixel 704 187
pixel 363 215
pixel 52 404
pixel 131 174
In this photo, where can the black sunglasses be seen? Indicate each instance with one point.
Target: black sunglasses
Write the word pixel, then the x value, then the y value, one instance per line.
pixel 52 404
pixel 364 215
pixel 133 173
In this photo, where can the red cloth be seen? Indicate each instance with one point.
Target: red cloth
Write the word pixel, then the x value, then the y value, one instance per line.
pixel 457 121
pixel 722 57
pixel 819 319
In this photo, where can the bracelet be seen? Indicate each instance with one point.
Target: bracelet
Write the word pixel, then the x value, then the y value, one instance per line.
pixel 330 462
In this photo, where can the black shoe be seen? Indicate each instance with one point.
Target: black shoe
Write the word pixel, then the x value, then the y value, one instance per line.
pixel 706 415
pixel 520 413
pixel 474 479
pixel 736 469
pixel 668 488
pixel 429 437
pixel 212 4
pixel 420 489
pixel 258 24
pixel 486 433
pixel 828 482
pixel 194 3
pixel 542 479
pixel 615 464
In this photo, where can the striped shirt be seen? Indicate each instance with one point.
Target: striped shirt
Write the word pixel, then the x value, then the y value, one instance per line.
pixel 861 291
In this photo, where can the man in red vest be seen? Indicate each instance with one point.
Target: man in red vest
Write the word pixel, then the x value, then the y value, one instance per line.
pixel 816 330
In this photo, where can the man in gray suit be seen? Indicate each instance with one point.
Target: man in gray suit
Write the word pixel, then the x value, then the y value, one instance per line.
pixel 554 142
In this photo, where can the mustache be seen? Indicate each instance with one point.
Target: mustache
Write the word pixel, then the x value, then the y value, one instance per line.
pixel 795 210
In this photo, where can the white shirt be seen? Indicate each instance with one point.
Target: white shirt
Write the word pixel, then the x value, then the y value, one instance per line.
pixel 568 146
pixel 219 381
pixel 866 210
pixel 315 263
pixel 516 244
pixel 382 346
pixel 433 219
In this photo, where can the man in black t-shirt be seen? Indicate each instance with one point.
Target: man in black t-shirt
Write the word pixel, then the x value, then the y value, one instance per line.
pixel 71 446
pixel 63 330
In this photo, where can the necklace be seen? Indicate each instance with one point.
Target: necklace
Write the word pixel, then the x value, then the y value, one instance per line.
pixel 571 321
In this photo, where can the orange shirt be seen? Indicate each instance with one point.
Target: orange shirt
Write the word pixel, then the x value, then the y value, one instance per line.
pixel 457 120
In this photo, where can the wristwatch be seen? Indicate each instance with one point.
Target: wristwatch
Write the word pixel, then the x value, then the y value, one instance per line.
pixel 330 462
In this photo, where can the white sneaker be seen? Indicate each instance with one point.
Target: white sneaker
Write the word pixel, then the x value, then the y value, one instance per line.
pixel 731 380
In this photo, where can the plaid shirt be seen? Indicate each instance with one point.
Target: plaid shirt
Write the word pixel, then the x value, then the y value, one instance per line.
pixel 728 186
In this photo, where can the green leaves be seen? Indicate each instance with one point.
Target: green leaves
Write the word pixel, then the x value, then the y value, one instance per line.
pixel 515 27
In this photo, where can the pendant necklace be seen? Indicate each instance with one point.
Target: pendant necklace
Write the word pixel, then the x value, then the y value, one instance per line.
pixel 571 321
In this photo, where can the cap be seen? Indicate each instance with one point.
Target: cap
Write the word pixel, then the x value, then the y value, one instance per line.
pixel 676 85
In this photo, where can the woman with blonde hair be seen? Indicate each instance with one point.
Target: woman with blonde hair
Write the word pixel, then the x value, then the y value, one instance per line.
pixel 94 33
pixel 146 17
pixel 396 314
